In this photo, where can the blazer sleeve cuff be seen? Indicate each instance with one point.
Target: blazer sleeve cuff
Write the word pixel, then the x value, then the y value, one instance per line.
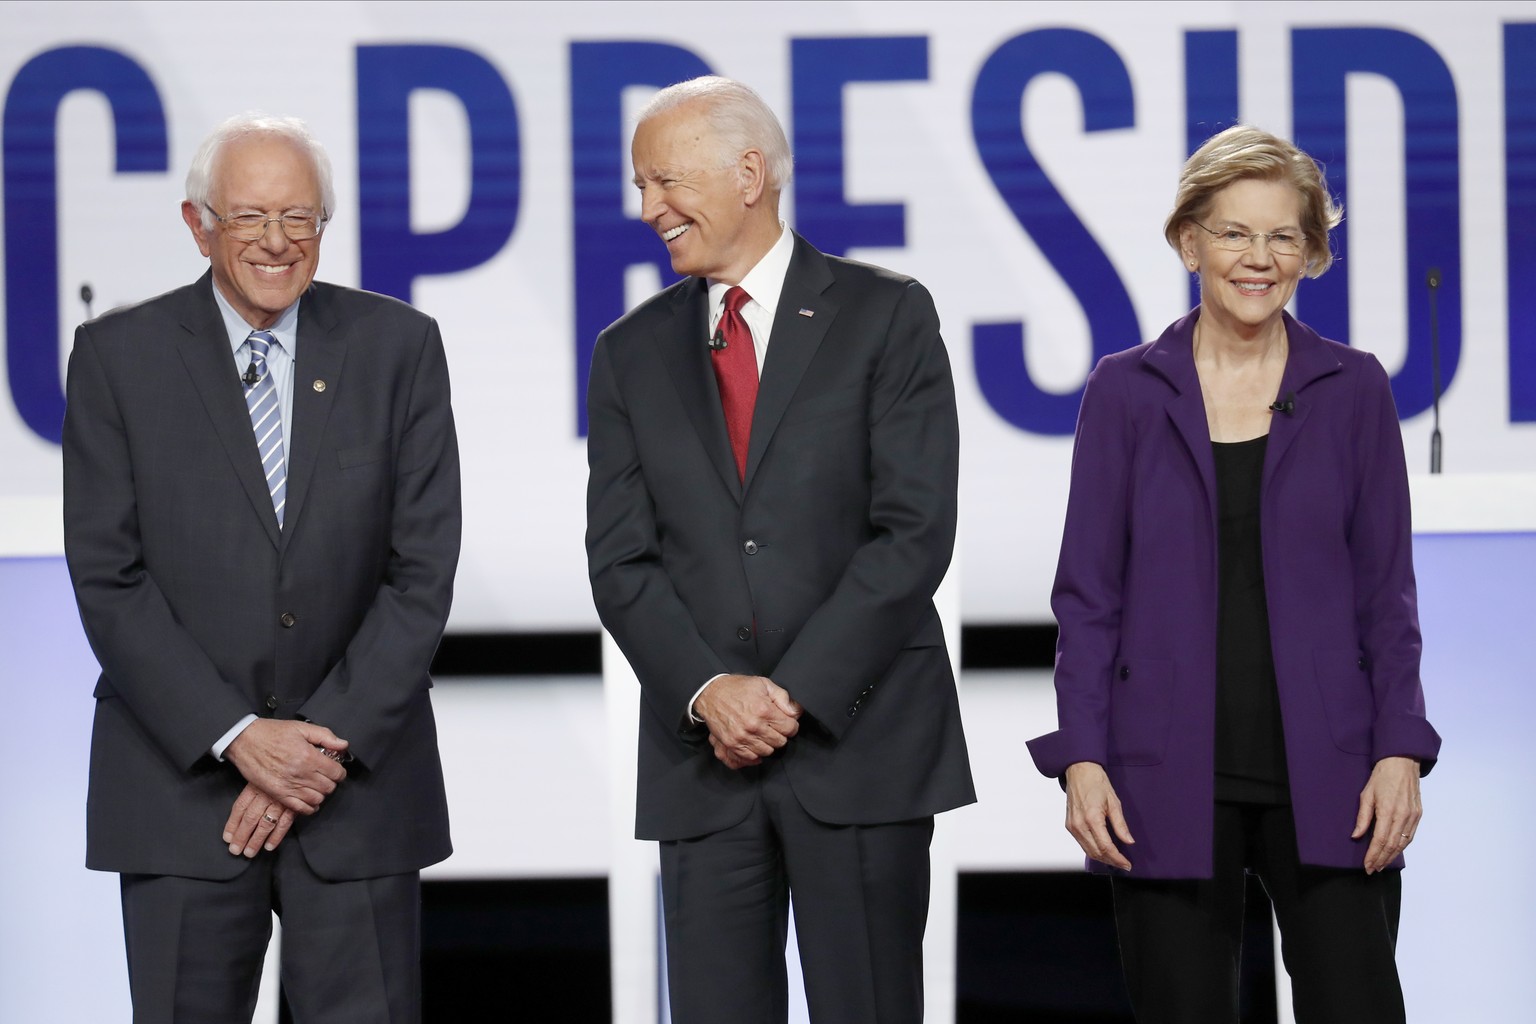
pixel 1055 751
pixel 1406 736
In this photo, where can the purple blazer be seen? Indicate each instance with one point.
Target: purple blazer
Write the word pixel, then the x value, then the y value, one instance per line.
pixel 1135 597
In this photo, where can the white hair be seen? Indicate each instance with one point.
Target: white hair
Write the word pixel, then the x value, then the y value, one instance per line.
pixel 248 125
pixel 739 120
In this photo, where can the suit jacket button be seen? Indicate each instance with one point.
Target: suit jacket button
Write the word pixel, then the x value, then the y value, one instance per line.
pixel 1125 671
pixel 1360 664
pixel 743 633
pixel 271 703
pixel 287 619
pixel 750 547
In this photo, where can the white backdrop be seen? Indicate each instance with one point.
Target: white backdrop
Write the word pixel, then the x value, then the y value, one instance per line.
pixel 1427 163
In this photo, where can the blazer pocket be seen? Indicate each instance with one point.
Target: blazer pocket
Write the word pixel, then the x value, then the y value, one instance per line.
pixel 1345 686
pixel 363 454
pixel 1140 710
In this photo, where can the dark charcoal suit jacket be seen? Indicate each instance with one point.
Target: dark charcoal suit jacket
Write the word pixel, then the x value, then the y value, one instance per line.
pixel 200 610
pixel 818 572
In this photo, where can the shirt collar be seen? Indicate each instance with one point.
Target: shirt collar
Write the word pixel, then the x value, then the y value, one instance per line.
pixel 764 281
pixel 285 329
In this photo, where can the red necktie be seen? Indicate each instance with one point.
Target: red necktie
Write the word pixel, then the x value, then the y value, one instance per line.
pixel 736 372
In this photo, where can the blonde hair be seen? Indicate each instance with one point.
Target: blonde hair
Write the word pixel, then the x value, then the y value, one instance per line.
pixel 1244 152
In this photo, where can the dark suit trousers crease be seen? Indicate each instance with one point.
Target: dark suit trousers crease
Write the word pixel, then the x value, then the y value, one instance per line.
pixel 1180 940
pixel 351 951
pixel 860 903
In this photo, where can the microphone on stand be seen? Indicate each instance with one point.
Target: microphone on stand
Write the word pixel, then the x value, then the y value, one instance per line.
pixel 1432 280
pixel 86 295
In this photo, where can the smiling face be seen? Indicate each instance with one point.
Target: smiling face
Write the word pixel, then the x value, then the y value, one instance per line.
pixel 269 175
pixel 717 221
pixel 1245 292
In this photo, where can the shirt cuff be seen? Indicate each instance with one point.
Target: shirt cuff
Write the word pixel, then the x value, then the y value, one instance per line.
pixel 694 719
pixel 217 750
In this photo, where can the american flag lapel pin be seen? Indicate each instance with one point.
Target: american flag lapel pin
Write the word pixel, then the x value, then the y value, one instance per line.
pixel 807 313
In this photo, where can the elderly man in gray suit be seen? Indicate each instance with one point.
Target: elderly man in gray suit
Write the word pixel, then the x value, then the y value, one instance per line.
pixel 261 513
pixel 771 506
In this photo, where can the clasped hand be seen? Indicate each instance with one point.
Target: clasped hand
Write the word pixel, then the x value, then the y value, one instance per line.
pixel 749 717
pixel 287 772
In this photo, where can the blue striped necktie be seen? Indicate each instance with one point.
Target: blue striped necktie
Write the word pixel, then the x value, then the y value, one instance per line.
pixel 267 421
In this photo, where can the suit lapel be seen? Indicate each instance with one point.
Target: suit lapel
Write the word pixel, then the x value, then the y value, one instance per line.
pixel 682 343
pixel 322 351
pixel 204 348
pixel 792 345
pixel 1308 360
pixel 1172 356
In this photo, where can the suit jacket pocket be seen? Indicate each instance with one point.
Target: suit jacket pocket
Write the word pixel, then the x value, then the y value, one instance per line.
pixel 1345 686
pixel 363 454
pixel 1140 702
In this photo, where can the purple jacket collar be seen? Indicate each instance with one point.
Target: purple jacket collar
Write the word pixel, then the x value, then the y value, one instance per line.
pixel 1172 357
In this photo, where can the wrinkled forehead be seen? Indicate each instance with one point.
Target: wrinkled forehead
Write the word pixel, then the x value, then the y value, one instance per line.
pixel 262 169
pixel 673 143
pixel 1259 204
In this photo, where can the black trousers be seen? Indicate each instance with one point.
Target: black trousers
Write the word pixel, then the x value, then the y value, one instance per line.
pixel 1180 941
pixel 351 951
pixel 860 903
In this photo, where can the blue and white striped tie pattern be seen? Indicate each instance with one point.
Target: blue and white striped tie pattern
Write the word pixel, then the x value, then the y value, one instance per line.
pixel 267 421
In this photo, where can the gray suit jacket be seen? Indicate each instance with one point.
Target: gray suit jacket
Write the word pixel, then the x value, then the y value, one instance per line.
pixel 200 610
pixel 818 572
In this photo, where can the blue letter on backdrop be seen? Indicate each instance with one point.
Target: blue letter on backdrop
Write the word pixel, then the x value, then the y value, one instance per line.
pixel 1108 103
pixel 1210 96
pixel 821 68
pixel 608 242
pixel 392 256
pixel 1321 61
pixel 1520 215
pixel 32 205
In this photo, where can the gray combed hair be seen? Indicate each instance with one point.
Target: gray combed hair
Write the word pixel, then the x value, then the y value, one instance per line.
pixel 248 125
pixel 739 118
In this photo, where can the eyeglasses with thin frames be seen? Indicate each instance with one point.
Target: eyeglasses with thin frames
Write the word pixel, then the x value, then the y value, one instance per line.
pixel 1283 243
pixel 250 226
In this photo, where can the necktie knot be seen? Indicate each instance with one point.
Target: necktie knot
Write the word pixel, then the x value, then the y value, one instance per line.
pixel 736 298
pixel 261 343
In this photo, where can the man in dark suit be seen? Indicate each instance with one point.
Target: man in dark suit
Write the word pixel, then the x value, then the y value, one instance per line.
pixel 261 514
pixel 771 506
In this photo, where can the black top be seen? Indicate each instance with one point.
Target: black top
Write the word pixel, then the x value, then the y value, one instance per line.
pixel 1250 744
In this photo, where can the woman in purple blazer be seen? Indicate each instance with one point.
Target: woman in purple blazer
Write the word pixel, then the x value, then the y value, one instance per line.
pixel 1237 677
